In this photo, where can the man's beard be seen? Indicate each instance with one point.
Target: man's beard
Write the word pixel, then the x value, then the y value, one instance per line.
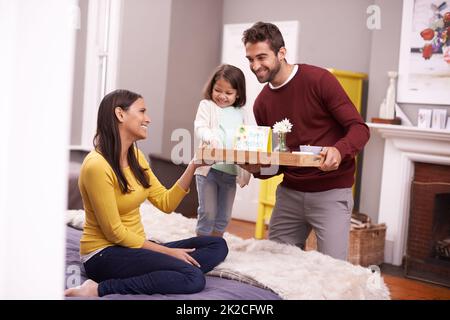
pixel 271 74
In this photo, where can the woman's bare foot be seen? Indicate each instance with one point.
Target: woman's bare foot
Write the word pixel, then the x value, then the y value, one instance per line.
pixel 87 289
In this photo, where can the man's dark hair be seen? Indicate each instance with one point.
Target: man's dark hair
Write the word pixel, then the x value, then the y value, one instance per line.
pixel 264 31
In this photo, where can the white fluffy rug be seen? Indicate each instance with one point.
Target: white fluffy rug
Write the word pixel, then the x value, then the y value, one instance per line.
pixel 287 270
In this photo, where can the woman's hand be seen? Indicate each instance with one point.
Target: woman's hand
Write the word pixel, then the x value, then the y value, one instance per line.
pixel 183 254
pixel 186 178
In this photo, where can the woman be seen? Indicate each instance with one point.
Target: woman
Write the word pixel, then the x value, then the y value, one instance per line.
pixel 115 179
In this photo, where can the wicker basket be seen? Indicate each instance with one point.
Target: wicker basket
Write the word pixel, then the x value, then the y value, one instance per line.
pixel 442 248
pixel 365 248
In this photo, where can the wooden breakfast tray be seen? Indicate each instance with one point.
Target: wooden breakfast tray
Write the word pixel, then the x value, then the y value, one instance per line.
pixel 258 157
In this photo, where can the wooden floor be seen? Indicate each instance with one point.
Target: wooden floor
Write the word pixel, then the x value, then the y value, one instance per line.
pixel 401 288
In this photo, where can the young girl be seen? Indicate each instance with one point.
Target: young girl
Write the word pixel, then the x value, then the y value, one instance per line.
pixel 115 179
pixel 218 117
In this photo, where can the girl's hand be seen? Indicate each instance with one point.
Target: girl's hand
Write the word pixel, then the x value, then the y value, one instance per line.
pixel 183 254
pixel 252 168
pixel 215 143
pixel 196 163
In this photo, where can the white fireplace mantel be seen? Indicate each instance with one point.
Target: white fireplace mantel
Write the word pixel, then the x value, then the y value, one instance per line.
pixel 404 146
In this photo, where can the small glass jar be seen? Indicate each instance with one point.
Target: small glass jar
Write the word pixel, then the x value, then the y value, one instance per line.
pixel 282 146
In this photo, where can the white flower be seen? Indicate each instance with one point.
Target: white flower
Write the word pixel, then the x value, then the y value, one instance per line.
pixel 282 126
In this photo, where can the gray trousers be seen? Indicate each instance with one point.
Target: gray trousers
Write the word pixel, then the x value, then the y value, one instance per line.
pixel 328 212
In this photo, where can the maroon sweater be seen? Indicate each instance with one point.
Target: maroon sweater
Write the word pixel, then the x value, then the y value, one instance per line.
pixel 322 115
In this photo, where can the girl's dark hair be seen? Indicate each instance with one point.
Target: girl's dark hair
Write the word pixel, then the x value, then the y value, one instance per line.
pixel 107 139
pixel 264 31
pixel 234 76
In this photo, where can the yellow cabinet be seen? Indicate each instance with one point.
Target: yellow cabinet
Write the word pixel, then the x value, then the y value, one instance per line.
pixel 266 202
pixel 352 82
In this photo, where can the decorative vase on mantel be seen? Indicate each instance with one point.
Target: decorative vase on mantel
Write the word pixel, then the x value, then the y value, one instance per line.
pixel 282 146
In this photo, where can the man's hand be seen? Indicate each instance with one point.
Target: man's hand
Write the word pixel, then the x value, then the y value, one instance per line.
pixel 332 159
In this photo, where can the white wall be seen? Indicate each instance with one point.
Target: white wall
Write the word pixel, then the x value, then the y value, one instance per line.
pixel 384 57
pixel 333 32
pixel 194 52
pixel 36 60
pixel 144 58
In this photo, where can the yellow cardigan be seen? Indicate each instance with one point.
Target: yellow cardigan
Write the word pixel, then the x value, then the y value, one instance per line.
pixel 113 218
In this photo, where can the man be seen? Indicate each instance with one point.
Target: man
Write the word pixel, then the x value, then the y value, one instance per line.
pixel 322 115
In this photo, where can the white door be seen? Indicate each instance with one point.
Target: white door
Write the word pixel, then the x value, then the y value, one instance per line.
pixel 233 52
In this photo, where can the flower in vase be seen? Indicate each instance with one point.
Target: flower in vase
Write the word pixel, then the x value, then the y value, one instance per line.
pixel 282 126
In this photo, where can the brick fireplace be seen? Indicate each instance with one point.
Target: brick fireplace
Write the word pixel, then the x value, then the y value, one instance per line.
pixel 428 244
pixel 405 150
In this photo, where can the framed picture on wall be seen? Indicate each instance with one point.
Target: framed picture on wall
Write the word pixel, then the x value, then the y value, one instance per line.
pixel 424 66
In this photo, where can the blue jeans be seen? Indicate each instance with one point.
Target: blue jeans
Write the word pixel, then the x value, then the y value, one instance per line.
pixel 140 271
pixel 216 194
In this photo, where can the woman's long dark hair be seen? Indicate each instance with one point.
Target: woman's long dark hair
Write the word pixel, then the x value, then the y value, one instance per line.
pixel 107 139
